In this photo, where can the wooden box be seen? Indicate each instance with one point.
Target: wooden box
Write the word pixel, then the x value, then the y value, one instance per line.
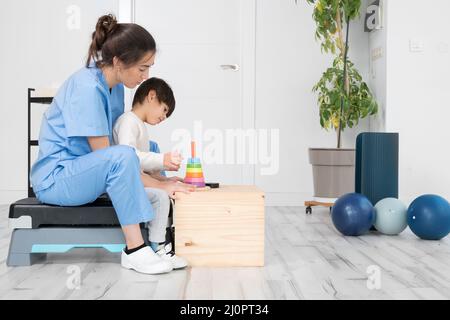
pixel 221 227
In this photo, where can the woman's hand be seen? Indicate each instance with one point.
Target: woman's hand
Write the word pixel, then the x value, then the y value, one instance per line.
pixel 149 181
pixel 160 177
pixel 175 179
pixel 171 187
pixel 172 161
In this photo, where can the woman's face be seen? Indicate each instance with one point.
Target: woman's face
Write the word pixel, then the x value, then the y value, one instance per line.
pixel 132 76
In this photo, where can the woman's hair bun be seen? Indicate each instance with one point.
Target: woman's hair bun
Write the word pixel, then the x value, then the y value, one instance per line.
pixel 106 23
pixel 103 29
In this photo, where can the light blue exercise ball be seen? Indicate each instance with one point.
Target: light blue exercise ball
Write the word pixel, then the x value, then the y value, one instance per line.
pixel 391 216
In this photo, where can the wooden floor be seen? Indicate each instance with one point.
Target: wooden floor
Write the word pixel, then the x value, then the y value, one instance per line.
pixel 306 258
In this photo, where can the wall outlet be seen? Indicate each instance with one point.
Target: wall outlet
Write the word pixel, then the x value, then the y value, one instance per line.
pixel 416 45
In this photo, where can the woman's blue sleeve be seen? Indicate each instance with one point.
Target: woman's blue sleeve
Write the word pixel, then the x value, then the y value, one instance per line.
pixel 84 112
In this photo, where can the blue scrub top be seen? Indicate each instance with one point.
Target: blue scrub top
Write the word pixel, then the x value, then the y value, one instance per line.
pixel 83 107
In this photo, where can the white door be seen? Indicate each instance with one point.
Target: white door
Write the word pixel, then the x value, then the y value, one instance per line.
pixel 201 55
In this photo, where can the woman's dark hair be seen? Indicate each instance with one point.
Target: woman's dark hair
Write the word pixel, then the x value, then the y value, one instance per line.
pixel 163 91
pixel 127 41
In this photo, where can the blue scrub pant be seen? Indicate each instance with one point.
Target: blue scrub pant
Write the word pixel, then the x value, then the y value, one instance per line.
pixel 114 170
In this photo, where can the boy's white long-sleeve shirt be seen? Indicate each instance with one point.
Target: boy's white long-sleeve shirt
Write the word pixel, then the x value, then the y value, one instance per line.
pixel 130 130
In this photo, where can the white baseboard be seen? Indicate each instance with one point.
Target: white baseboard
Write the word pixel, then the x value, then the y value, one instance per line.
pixel 287 199
pixel 10 196
pixel 297 199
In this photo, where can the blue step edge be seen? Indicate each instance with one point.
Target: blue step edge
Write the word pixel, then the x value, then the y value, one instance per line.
pixel 60 248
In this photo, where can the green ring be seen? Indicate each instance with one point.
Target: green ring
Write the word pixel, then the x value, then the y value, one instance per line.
pixel 194 165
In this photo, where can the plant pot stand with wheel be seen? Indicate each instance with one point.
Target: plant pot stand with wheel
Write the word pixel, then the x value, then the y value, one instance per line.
pixel 312 203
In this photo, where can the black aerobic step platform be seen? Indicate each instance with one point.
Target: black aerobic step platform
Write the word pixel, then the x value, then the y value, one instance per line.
pixel 98 213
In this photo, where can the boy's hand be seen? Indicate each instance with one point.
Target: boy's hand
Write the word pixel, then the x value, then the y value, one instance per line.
pixel 172 161
pixel 171 187
pixel 177 157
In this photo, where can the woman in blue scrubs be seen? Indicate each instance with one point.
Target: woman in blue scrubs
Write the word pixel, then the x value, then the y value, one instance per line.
pixel 76 162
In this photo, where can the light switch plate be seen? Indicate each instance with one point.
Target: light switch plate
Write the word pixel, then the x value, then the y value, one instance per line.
pixel 377 53
pixel 443 47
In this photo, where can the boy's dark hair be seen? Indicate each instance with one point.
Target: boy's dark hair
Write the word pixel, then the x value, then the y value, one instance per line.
pixel 163 91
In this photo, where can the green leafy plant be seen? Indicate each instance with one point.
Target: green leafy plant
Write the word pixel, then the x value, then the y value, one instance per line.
pixel 343 97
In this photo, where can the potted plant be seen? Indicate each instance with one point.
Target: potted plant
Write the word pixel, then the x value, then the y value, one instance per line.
pixel 343 97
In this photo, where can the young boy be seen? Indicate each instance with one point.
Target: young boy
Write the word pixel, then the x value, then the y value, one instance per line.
pixel 153 102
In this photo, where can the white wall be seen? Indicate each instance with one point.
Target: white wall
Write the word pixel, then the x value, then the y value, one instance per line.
pixel 377 79
pixel 288 63
pixel 37 50
pixel 418 95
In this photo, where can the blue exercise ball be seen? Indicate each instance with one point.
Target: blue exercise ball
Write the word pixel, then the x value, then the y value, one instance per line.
pixel 353 214
pixel 390 216
pixel 429 217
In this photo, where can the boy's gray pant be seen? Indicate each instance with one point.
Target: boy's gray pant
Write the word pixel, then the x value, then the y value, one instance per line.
pixel 161 205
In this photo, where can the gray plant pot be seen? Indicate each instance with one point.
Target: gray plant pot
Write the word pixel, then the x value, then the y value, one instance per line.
pixel 333 171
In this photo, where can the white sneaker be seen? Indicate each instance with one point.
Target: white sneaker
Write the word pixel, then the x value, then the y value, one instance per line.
pixel 166 253
pixel 145 260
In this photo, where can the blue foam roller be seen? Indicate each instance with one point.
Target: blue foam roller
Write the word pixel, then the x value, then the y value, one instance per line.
pixel 376 167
